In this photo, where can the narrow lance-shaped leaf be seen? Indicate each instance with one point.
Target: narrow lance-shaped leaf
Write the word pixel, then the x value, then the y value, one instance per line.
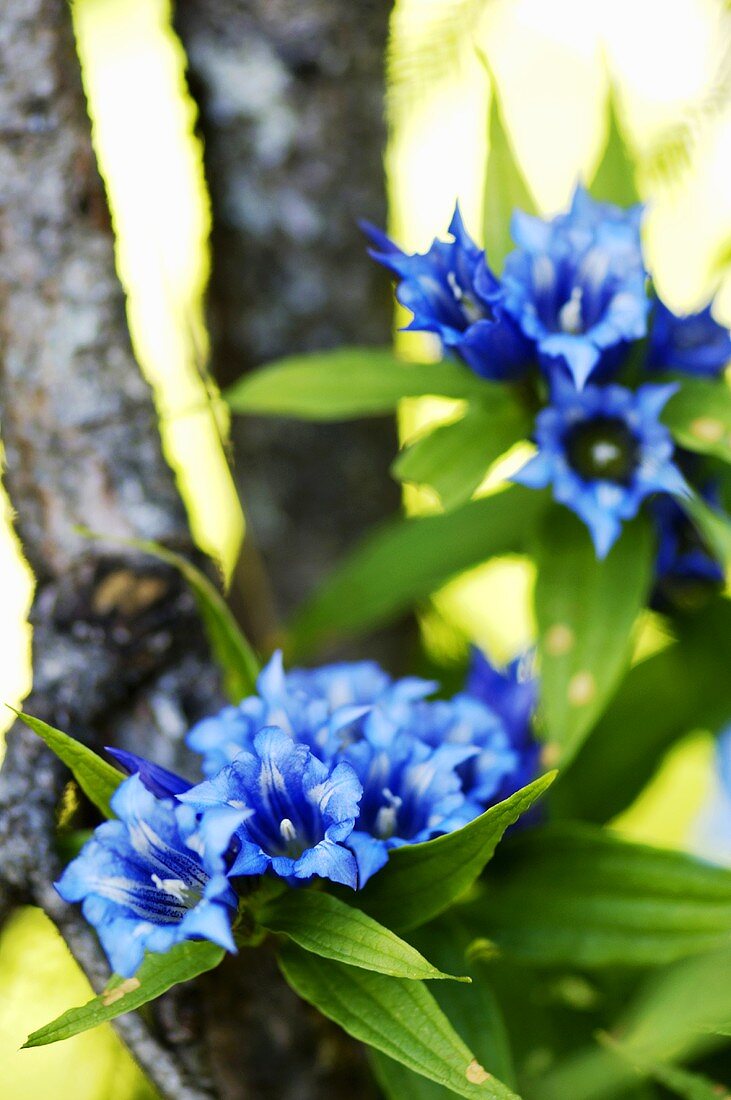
pixel 699 416
pixel 157 974
pixel 454 458
pixel 505 186
pixel 409 559
pixel 690 676
pixel 97 779
pixel 238 662
pixel 681 1082
pixel 422 880
pixel 326 926
pixel 571 895
pixel 670 1019
pixel 586 610
pixel 614 179
pixel 347 383
pixel 713 526
pixel 398 1017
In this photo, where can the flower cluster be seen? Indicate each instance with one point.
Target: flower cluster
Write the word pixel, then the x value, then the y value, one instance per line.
pixel 575 318
pixel 320 774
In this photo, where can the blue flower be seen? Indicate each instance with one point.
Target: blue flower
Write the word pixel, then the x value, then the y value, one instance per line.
pixel 576 285
pixel 604 450
pixel 694 344
pixel 323 708
pixel 685 568
pixel 451 291
pixel 161 782
pixel 411 793
pixel 463 722
pixel 512 695
pixel 153 877
pixel 302 809
pixel 711 836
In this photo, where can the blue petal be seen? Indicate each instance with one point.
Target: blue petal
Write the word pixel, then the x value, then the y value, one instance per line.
pixel 159 781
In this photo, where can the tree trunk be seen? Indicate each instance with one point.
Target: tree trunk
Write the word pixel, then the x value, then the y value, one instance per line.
pixel 291 109
pixel 119 655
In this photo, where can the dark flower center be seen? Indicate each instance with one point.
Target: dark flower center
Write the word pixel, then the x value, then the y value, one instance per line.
pixel 603 449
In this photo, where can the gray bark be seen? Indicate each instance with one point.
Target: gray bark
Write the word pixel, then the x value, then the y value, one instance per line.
pixel 118 652
pixel 112 632
pixel 291 110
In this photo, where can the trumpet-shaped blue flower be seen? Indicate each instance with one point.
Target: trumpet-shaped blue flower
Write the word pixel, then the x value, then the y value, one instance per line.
pixel 411 793
pixel 685 568
pixel 322 708
pixel 460 722
pixel 576 285
pixel 694 343
pixel 711 836
pixel 161 782
pixel 512 695
pixel 154 877
pixel 302 810
pixel 451 291
pixel 604 450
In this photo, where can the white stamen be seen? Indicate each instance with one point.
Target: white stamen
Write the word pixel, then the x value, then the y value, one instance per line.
pixel 387 816
pixel 174 886
pixel 454 285
pixel 288 831
pixel 569 316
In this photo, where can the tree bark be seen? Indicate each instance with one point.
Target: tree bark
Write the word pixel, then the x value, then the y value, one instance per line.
pixel 290 96
pixel 119 655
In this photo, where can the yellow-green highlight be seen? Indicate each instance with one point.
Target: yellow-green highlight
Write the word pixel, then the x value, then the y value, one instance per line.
pixel 38 981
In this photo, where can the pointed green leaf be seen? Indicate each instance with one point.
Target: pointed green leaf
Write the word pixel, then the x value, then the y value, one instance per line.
pixel 699 416
pixel 614 179
pixel 618 759
pixel 157 974
pixel 713 526
pixel 505 187
pixel 326 926
pixel 97 779
pixel 571 895
pixel 409 559
pixel 454 458
pixel 586 610
pixel 422 880
pixel 670 1019
pixel 691 1086
pixel 347 383
pixel 398 1017
pixel 237 660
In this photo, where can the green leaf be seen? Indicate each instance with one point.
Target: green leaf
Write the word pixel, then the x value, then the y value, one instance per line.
pixel 614 179
pixel 236 658
pixel 473 1011
pixel 454 458
pixel 505 186
pixel 398 1017
pixel 157 974
pixel 407 560
pixel 586 610
pixel 624 749
pixel 713 526
pixel 326 926
pixel 97 779
pixel 571 895
pixel 699 416
pixel 347 383
pixel 691 1086
pixel 670 1020
pixel 422 880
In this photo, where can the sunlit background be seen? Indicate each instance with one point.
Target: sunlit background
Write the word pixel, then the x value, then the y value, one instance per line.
pixel 554 61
